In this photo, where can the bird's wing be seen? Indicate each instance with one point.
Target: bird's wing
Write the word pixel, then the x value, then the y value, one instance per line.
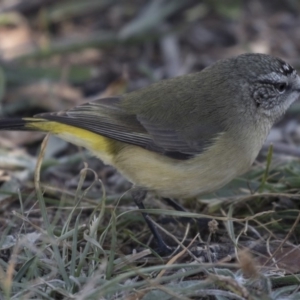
pixel 109 118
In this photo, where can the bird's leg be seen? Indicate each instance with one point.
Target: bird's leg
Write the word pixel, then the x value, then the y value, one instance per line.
pixel 138 196
pixel 202 223
pixel 174 204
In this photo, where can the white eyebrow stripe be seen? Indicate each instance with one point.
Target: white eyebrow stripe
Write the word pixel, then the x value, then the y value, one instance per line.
pixel 273 76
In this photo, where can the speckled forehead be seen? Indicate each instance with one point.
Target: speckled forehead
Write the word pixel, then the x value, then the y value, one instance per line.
pixel 287 69
pixel 283 70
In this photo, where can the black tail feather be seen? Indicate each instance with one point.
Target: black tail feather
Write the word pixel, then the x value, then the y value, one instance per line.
pixel 13 124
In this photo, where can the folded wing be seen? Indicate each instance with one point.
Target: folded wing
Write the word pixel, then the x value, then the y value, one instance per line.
pixel 108 117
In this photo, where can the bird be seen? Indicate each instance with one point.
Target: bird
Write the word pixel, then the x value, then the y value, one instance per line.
pixel 185 136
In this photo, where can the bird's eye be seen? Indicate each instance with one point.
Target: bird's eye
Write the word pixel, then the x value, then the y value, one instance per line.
pixel 281 87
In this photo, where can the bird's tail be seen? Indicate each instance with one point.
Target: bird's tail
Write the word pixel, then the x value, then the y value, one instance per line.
pixel 20 124
pixel 101 146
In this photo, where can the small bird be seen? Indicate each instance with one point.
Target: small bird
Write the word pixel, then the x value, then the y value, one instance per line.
pixel 185 136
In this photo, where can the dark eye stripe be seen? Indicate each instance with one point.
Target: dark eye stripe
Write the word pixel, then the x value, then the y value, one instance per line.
pixel 270 82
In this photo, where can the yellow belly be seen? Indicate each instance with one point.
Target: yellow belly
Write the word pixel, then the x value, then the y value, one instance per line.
pixel 180 179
